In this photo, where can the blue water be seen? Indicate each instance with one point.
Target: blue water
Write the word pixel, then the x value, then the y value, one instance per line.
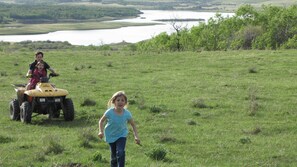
pixel 130 34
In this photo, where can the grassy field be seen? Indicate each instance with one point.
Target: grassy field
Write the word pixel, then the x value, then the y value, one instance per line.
pixel 230 108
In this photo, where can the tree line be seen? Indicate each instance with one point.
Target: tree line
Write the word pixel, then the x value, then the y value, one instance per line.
pixel 270 27
pixel 60 13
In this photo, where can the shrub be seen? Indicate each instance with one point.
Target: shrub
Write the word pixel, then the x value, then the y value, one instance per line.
pixel 195 113
pixel 165 139
pixel 245 140
pixel 252 70
pixel 255 131
pixel 97 157
pixel 88 102
pixel 3 74
pixel 53 145
pixel 40 156
pixel 4 139
pixel 248 34
pixel 199 103
pixel 191 122
pixel 132 101
pixel 157 153
pixel 291 43
pixel 109 64
pixel 105 47
pixel 155 109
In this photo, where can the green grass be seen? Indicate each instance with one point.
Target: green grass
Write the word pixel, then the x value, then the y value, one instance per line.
pixel 195 105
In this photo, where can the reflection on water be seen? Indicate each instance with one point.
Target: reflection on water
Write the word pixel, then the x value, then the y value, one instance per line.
pixel 130 34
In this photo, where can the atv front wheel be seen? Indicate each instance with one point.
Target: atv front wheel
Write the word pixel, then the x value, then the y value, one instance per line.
pixel 26 112
pixel 14 110
pixel 68 110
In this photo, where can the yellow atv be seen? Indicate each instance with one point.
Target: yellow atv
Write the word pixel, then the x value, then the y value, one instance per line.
pixel 44 99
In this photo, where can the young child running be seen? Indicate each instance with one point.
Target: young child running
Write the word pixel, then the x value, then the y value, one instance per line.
pixel 38 72
pixel 116 130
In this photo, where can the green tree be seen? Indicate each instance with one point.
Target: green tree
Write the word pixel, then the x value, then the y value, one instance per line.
pixel 272 27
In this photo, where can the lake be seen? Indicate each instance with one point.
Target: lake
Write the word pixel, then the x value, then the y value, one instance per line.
pixel 130 34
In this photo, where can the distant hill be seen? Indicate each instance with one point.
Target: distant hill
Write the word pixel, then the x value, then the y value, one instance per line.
pixel 213 5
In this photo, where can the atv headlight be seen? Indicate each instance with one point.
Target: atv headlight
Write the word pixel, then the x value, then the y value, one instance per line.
pixel 42 100
pixel 57 100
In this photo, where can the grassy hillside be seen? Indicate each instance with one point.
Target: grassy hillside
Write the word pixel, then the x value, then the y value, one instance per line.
pixel 234 108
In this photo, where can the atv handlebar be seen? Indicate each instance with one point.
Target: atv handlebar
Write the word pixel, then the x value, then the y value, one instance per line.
pixel 29 76
pixel 50 75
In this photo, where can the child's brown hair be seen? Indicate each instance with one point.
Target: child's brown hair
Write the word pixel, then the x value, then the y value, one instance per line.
pixel 115 96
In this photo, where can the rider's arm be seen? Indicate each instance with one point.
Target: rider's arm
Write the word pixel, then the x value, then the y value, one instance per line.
pixel 31 68
pixel 52 70
pixel 29 73
pixel 46 66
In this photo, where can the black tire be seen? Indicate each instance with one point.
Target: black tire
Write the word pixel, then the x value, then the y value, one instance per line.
pixel 68 110
pixel 26 112
pixel 14 110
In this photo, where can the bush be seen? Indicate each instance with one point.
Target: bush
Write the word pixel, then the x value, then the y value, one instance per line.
pixel 195 113
pixel 253 70
pixel 155 109
pixel 88 102
pixel 3 74
pixel 53 145
pixel 291 43
pixel 157 153
pixel 191 122
pixel 199 103
pixel 4 139
pixel 248 34
pixel 97 157
pixel 40 156
pixel 245 140
pixel 166 139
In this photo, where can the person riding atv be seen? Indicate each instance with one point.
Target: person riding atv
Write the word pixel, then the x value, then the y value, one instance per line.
pixel 44 99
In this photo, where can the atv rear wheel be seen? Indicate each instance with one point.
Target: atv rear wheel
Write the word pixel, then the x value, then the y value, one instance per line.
pixel 26 112
pixel 68 110
pixel 14 110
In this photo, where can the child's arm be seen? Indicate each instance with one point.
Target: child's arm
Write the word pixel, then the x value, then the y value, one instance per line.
pixel 52 70
pixel 137 141
pixel 101 131
pixel 29 74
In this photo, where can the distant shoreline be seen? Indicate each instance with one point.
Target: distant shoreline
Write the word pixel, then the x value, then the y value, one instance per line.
pixel 179 20
pixel 32 29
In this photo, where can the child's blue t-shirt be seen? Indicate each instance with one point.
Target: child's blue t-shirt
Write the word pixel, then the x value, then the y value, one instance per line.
pixel 116 126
